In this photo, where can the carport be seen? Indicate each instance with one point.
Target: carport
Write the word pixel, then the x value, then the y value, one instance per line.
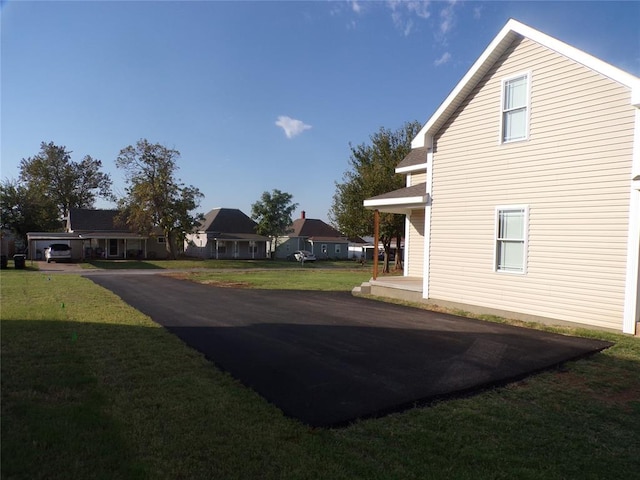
pixel 38 241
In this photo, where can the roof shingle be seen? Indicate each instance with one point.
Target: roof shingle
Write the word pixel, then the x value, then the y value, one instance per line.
pixel 417 156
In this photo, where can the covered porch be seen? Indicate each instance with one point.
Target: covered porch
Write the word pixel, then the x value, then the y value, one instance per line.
pixel 409 286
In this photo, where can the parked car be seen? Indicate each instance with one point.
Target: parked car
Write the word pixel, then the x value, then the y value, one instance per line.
pixel 57 251
pixel 304 256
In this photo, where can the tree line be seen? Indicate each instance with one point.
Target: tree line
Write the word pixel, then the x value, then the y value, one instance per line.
pixel 50 184
pixel 372 172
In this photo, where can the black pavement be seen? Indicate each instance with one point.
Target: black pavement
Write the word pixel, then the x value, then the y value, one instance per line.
pixel 329 358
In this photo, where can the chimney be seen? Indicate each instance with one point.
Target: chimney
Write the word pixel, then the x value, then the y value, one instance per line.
pixel 303 215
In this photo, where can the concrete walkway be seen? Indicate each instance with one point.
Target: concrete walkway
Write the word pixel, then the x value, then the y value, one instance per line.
pixel 330 358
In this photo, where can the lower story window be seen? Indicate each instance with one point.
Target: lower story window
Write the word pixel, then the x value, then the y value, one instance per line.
pixel 338 250
pixel 511 238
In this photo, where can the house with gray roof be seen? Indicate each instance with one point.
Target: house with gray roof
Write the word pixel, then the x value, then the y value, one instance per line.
pixel 315 236
pixel 226 233
pixel 98 233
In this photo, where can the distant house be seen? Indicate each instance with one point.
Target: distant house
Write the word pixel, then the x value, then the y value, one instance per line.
pixel 358 248
pixel 319 238
pixel 226 233
pixel 98 234
pixel 523 189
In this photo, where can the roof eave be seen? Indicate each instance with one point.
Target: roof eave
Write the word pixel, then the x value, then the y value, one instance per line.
pixel 396 205
pixel 412 168
pixel 512 30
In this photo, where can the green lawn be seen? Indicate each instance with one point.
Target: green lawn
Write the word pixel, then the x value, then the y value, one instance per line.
pixel 189 263
pixel 91 388
pixel 290 279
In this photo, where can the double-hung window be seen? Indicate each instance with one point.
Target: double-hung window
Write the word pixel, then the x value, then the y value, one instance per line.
pixel 515 108
pixel 511 238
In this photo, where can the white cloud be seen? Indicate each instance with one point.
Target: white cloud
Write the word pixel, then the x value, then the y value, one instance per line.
pixel 291 126
pixel 446 56
pixel 447 17
pixel 402 13
pixel 356 7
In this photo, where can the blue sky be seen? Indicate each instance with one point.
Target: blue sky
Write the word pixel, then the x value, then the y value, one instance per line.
pixel 256 95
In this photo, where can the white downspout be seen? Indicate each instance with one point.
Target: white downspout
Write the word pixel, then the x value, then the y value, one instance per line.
pixel 427 222
pixel 632 281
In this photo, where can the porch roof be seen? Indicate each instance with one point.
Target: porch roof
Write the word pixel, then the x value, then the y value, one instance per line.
pixel 253 237
pixel 106 235
pixel 399 201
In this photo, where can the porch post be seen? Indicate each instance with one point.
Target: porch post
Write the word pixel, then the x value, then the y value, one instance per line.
pixel 376 234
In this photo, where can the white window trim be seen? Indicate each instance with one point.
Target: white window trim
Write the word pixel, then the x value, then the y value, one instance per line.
pixel 528 114
pixel 337 248
pixel 525 248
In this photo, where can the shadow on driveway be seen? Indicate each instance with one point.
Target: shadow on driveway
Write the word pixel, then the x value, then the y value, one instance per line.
pixel 328 358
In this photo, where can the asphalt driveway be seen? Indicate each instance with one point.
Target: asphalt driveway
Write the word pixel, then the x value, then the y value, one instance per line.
pixel 330 358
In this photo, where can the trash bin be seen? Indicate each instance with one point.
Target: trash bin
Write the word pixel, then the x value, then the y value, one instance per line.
pixel 3 262
pixel 19 261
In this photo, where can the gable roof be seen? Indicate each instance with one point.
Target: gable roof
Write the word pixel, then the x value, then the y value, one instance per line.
pixel 88 220
pixel 512 31
pixel 316 230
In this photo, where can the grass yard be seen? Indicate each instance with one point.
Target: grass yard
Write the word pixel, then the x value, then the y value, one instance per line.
pixel 290 279
pixel 91 388
pixel 189 263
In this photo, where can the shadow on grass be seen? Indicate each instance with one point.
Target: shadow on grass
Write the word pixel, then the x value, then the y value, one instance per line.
pixel 95 400
pixel 55 412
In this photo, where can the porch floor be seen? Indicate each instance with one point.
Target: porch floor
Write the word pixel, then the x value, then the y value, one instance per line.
pixel 412 284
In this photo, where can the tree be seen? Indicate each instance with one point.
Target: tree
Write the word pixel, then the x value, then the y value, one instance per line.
pixel 372 172
pixel 22 211
pixel 154 196
pixel 273 215
pixel 53 176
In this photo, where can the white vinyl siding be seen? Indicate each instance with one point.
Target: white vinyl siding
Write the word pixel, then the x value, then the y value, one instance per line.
pixel 416 243
pixel 574 174
pixel 417 178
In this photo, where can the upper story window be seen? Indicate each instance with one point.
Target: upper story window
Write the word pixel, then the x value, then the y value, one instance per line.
pixel 515 108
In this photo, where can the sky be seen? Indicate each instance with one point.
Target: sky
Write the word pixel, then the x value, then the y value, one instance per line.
pixel 256 95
